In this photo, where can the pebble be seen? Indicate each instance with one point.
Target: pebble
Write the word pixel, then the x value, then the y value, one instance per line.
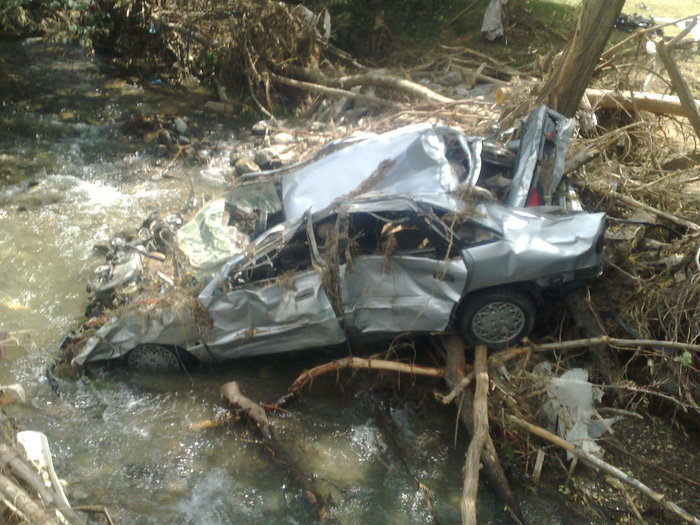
pixel 246 165
pixel 180 125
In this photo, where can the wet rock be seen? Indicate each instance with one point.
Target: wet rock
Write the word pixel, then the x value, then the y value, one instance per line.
pixel 282 138
pixel 453 78
pixel 182 139
pixel 264 157
pixel 260 128
pixel 151 136
pixel 67 116
pixel 161 151
pixel 246 165
pixel 180 126
pixel 164 137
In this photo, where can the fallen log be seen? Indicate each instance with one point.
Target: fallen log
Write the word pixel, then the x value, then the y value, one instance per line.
pixel 607 467
pixel 481 434
pixel 631 100
pixel 454 372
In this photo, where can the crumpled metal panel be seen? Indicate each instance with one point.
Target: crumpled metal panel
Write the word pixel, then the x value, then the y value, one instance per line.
pixel 536 246
pixel 165 326
pixel 541 124
pixel 400 293
pixel 415 164
pixel 207 241
pixel 268 319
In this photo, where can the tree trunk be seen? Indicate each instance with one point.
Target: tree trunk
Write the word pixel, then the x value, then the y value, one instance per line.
pixel 566 85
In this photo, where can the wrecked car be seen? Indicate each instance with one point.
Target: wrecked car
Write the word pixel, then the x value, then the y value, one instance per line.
pixel 418 230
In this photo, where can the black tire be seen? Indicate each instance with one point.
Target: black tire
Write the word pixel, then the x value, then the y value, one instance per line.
pixel 155 357
pixel 496 317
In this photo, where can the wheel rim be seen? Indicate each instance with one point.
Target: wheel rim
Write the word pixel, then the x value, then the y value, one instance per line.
pixel 498 322
pixel 153 357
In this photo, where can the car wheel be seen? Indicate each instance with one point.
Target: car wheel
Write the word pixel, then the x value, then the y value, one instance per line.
pixel 497 318
pixel 155 357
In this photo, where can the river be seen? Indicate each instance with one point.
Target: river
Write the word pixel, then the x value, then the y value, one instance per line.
pixel 69 178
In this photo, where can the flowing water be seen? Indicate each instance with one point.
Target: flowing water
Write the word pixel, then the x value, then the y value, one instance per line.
pixel 69 177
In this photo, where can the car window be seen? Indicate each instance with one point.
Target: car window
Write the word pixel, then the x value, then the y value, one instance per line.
pixel 389 233
pixel 290 258
pixel 466 230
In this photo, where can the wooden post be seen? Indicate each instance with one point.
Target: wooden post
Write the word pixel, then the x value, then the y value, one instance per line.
pixel 493 470
pixel 568 81
pixel 481 434
pixel 680 86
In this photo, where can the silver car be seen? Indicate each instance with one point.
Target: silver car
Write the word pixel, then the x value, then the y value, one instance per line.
pixel 387 235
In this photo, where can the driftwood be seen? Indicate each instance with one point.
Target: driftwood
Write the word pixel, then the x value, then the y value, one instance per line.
pixel 612 341
pixel 629 100
pixel 610 469
pixel 637 100
pixel 335 92
pixel 588 324
pixel 250 408
pixel 11 461
pixel 24 503
pixel 641 32
pixel 256 413
pixel 493 470
pixel 357 363
pixel 481 434
pixel 634 203
pixel 379 78
pixel 690 105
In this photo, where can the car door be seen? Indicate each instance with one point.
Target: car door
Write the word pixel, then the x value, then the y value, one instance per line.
pixel 277 303
pixel 393 277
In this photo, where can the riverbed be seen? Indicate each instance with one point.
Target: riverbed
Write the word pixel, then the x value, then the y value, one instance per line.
pixel 70 177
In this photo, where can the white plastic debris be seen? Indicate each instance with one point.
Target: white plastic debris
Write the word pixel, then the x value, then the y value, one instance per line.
pixel 570 407
pixel 492 24
pixel 38 453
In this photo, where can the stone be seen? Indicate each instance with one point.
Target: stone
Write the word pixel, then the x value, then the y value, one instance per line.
pixel 246 165
pixel 282 138
pixel 164 137
pixel 180 125
pixel 453 78
pixel 151 136
pixel 260 128
pixel 263 157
